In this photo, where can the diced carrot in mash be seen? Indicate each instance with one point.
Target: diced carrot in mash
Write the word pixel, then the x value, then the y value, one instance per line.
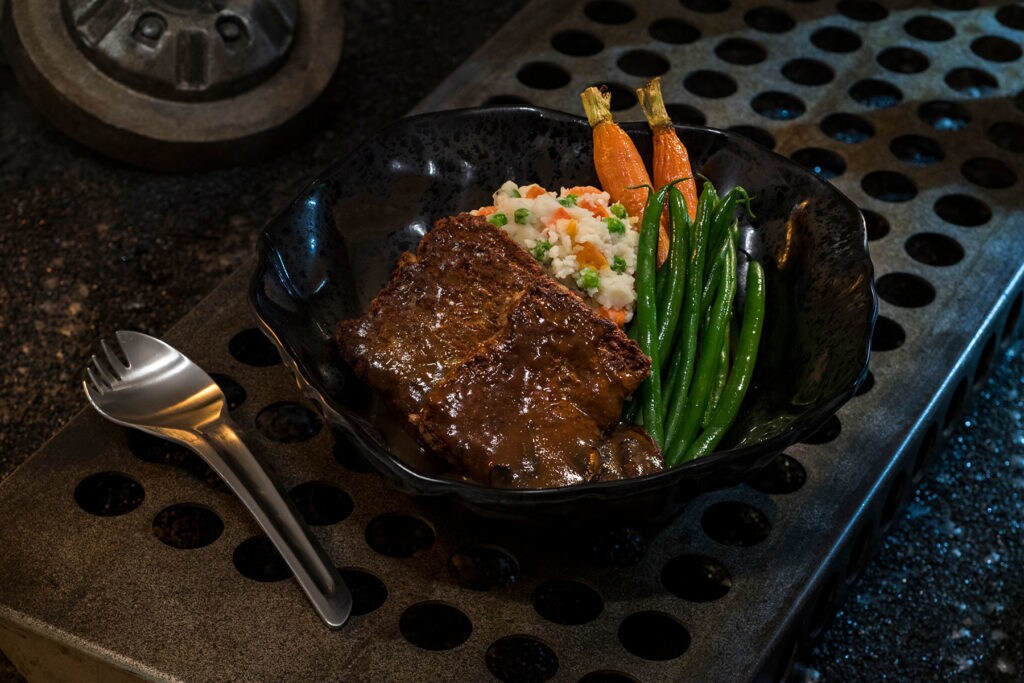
pixel 596 208
pixel 581 190
pixel 616 315
pixel 560 214
pixel 590 255
pixel 534 191
pixel 486 210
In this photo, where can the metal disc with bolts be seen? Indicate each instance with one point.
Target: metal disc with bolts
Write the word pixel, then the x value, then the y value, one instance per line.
pixel 176 85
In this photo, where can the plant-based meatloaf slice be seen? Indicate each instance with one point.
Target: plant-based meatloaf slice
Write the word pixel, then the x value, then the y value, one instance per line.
pixel 436 308
pixel 530 408
pixel 499 369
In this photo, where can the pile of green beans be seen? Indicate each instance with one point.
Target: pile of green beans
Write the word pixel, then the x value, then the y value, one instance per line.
pixel 701 364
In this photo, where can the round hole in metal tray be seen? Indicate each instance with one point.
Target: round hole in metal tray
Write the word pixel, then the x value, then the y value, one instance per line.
pixel 862 10
pixel 711 84
pixel 256 558
pixel 288 422
pixel 778 106
pixel 944 115
pixel 988 172
pixel 521 658
pixel 163 452
pixel 398 535
pixel 1007 135
pixel 877 225
pixel 867 385
pixel 889 186
pixel 924 449
pixel 889 335
pixel 607 676
pixel 929 28
pixel 1012 317
pixel 616 546
pixel 769 20
pixel 902 60
pixel 1011 16
pixel 740 51
pixel 985 360
pixel 483 567
pixel 781 476
pixel 654 635
pixel 758 135
pixel 956 406
pixel 685 114
pixel 804 71
pixel 321 503
pixel 187 526
pixel 109 494
pixel 673 31
pixel 434 626
pixel 893 498
pixel 622 97
pixel 696 578
pixel 706 6
pixel 825 433
pixel 971 82
pixel 643 63
pixel 609 12
pixel 905 290
pixel 368 592
pixel 347 454
pixel 822 162
pixel 836 39
pixel 735 523
pixel 234 393
pixel 253 348
pixel 875 93
pixel 567 602
pixel 962 210
pixel 934 249
pixel 543 76
pixel 848 128
pixel 996 49
pixel 576 43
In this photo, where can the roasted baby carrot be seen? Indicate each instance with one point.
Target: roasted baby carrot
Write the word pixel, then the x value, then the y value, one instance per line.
pixel 671 160
pixel 619 166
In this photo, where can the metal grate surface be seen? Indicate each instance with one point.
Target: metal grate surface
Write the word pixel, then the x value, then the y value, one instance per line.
pixel 126 549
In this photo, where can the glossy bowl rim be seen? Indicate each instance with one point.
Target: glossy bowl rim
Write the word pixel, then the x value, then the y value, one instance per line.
pixel 425 485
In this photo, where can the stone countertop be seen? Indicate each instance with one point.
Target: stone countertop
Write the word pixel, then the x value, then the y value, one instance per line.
pixel 90 245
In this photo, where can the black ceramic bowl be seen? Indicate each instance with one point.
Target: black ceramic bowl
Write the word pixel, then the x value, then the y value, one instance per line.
pixel 332 250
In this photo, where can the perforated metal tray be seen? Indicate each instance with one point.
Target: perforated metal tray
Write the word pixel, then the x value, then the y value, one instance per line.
pixel 731 589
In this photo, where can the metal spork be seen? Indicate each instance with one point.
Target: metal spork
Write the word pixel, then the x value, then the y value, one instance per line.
pixel 162 392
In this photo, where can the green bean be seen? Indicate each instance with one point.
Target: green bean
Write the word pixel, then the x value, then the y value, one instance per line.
pixel 647 314
pixel 721 375
pixel 723 217
pixel 708 294
pixel 681 373
pixel 671 302
pixel 683 424
pixel 742 368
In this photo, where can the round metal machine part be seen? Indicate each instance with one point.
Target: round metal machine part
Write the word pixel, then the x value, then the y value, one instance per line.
pixel 176 85
pixel 182 49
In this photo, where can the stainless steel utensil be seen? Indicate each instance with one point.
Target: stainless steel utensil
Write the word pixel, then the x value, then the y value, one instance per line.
pixel 162 392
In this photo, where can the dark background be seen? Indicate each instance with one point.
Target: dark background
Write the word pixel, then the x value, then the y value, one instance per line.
pixel 90 245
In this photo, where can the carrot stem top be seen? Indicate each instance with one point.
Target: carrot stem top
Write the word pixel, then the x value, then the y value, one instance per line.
pixel 653 104
pixel 597 105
